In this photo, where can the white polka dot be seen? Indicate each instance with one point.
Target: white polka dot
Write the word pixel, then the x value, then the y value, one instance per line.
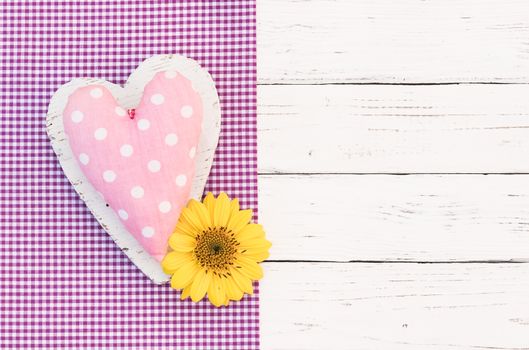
pixel 120 111
pixel 171 139
pixel 144 124
pixel 100 134
pixel 186 111
pixel 137 192
pixel 192 152
pixel 77 116
pixel 157 99
pixel 147 231
pixel 84 158
pixel 164 206
pixel 109 176
pixel 181 180
pixel 126 150
pixel 154 166
pixel 123 214
pixel 96 93
pixel 171 74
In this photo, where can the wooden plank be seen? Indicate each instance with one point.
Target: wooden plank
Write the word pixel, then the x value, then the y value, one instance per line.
pixel 381 129
pixel 390 217
pixel 410 41
pixel 394 306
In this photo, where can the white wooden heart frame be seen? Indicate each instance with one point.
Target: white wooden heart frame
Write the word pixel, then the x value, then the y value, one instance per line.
pixel 129 96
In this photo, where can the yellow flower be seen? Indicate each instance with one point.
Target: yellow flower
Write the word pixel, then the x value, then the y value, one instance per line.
pixel 215 250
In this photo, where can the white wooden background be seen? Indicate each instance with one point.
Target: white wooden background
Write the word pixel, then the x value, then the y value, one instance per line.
pixel 394 173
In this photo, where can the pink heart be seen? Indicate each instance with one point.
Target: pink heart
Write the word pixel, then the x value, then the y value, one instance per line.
pixel 142 160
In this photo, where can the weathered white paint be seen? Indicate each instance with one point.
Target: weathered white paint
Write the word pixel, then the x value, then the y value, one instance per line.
pixel 394 306
pixel 328 41
pixel 388 217
pixel 337 130
pixel 381 129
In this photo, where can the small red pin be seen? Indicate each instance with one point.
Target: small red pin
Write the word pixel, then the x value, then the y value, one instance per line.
pixel 131 112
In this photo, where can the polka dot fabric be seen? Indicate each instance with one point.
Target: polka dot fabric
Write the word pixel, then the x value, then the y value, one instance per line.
pixel 64 283
pixel 142 162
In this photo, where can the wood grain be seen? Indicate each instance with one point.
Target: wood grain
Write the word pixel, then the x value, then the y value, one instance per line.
pixel 386 129
pixel 391 306
pixel 396 218
pixel 360 87
pixel 410 41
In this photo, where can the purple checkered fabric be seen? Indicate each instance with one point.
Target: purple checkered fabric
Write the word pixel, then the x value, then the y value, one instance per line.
pixel 64 284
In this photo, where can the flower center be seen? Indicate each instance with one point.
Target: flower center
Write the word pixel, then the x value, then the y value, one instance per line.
pixel 216 248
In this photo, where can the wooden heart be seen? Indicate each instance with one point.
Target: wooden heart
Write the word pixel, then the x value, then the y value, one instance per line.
pixel 137 154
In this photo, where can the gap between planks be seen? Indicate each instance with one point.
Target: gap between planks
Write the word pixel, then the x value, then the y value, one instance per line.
pixel 381 173
pixel 392 84
pixel 511 261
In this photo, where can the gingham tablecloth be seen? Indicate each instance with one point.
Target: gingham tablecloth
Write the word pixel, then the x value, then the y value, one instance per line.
pixel 64 284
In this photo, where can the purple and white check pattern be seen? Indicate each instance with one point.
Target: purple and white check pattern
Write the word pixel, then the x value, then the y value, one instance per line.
pixel 63 282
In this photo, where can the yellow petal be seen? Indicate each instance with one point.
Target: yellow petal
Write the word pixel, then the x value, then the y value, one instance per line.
pixel 250 231
pixel 192 219
pixel 201 211
pixel 224 282
pixel 185 229
pixel 244 283
pixel 200 285
pixel 256 243
pixel 216 293
pixel 239 219
pixel 222 210
pixel 185 292
pixel 174 260
pixel 182 243
pixel 234 206
pixel 257 255
pixel 209 203
pixel 249 268
pixel 184 275
pixel 233 291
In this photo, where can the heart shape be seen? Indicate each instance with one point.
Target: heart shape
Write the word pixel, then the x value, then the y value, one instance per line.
pixel 137 154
